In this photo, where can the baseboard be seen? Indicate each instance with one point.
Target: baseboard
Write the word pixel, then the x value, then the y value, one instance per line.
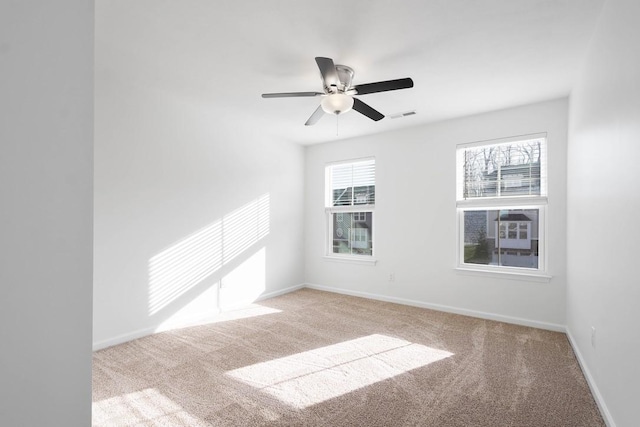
pixel 198 319
pixel 445 308
pixel 119 339
pixel 604 411
pixel 280 292
pixel 194 321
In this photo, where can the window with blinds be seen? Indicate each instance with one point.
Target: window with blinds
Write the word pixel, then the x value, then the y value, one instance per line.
pixel 501 203
pixel 349 205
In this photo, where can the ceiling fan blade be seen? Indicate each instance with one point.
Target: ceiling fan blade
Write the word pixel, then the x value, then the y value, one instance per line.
pixel 315 116
pixel 384 86
pixel 328 71
pixel 365 109
pixel 290 94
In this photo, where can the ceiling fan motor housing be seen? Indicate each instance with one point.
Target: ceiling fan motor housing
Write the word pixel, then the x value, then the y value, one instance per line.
pixel 345 77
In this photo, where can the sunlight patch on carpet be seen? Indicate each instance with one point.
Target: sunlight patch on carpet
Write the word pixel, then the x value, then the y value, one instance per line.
pixel 141 407
pixel 245 312
pixel 314 376
pixel 252 310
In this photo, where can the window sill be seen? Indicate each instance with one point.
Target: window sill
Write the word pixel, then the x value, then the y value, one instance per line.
pixel 502 274
pixel 351 259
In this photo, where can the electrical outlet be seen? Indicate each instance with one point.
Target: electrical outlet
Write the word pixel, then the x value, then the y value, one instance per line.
pixel 593 336
pixel 392 277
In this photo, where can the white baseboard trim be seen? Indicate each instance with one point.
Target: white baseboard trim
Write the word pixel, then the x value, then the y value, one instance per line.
pixel 194 321
pixel 119 339
pixel 261 297
pixel 448 309
pixel 280 292
pixel 198 319
pixel 604 411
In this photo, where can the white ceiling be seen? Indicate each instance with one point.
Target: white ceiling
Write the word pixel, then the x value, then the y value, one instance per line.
pixel 464 56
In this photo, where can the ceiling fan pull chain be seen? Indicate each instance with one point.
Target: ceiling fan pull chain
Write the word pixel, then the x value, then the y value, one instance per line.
pixel 337 118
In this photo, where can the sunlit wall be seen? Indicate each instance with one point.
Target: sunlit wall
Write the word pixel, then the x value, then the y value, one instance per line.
pixel 191 212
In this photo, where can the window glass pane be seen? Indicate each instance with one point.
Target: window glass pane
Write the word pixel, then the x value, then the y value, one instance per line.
pixel 501 170
pixel 351 236
pixel 481 246
pixel 477 248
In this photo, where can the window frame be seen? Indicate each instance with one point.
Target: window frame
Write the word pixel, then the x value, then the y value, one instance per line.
pixel 352 209
pixel 504 202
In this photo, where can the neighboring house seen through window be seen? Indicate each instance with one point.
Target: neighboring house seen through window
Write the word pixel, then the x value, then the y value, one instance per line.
pixel 501 201
pixel 349 205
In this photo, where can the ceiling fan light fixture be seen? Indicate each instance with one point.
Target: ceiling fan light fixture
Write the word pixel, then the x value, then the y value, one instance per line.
pixel 337 103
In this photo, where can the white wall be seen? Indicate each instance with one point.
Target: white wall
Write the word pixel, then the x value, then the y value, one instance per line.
pixel 415 234
pixel 183 199
pixel 46 119
pixel 603 206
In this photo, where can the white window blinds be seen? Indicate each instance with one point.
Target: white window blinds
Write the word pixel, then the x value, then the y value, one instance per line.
pixel 352 183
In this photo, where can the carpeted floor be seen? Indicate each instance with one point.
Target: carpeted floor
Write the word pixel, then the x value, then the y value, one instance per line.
pixel 312 358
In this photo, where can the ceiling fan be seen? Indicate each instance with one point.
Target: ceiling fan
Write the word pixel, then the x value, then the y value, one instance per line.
pixel 338 95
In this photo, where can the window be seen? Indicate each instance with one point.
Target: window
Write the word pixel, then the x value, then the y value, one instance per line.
pixel 501 202
pixel 349 205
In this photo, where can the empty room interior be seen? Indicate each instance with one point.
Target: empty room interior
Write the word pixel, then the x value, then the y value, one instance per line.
pixel 349 213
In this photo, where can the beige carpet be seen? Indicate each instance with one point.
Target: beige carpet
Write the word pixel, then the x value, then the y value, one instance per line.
pixel 312 358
